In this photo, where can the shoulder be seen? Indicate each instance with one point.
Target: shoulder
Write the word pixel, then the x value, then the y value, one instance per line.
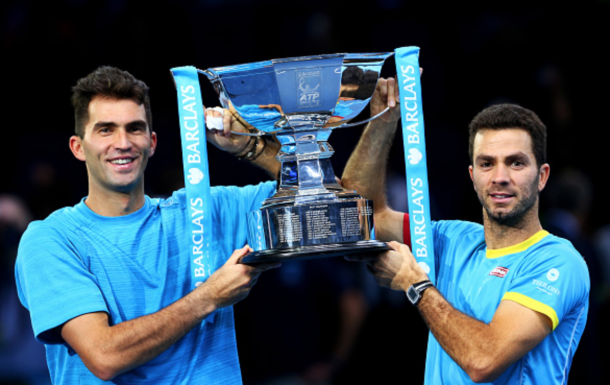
pixel 175 201
pixel 49 241
pixel 555 261
pixel 559 251
pixel 59 225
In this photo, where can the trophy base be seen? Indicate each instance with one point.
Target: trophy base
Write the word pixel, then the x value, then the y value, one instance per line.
pixel 315 251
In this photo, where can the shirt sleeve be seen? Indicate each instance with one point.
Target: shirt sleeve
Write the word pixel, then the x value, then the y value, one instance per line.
pixel 406 230
pixel 231 205
pixel 53 282
pixel 553 280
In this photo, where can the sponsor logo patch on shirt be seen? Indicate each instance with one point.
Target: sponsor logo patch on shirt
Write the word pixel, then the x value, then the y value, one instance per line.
pixel 499 271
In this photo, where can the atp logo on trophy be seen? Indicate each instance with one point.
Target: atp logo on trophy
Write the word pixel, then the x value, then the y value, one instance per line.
pixel 195 175
pixel 309 84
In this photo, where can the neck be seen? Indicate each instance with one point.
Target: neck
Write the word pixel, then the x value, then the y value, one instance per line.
pixel 500 235
pixel 114 203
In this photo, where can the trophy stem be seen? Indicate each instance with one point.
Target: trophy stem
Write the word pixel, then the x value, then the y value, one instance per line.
pixel 306 171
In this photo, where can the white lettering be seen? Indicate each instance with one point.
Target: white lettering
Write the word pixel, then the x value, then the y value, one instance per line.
pixel 192 135
pixel 197 241
pixel 411 117
pixel 420 222
pixel 188 90
pixel 190 107
pixel 196 126
pixel 194 158
pixel 193 147
pixel 197 221
pixel 407 69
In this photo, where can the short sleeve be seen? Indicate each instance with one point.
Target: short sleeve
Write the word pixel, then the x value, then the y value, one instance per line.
pixel 231 206
pixel 453 238
pixel 53 282
pixel 235 202
pixel 553 280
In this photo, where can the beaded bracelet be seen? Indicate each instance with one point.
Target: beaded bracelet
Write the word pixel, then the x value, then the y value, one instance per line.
pixel 251 155
pixel 252 144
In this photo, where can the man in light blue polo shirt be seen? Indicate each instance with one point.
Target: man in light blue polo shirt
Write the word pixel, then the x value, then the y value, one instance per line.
pixel 107 282
pixel 510 302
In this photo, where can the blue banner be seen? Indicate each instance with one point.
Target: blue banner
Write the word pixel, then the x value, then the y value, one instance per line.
pixel 409 85
pixel 196 174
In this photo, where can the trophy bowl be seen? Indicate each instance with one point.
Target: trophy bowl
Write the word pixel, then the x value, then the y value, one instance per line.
pixel 301 101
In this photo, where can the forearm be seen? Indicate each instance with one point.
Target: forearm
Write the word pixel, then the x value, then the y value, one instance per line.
pixel 472 344
pixel 365 171
pixel 113 350
pixel 267 160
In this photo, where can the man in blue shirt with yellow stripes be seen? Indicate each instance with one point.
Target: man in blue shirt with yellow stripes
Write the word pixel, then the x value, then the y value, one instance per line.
pixel 510 303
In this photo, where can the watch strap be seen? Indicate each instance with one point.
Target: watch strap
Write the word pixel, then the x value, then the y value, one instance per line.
pixel 418 289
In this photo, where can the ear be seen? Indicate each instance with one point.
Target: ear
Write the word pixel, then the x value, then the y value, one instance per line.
pixel 545 172
pixel 153 143
pixel 76 145
pixel 471 172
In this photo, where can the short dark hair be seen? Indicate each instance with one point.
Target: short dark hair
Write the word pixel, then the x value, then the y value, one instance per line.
pixel 351 75
pixel 505 116
pixel 107 82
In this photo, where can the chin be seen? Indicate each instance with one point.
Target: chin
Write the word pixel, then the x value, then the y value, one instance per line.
pixel 124 186
pixel 507 218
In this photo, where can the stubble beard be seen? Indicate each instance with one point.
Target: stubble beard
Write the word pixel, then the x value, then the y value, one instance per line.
pixel 514 217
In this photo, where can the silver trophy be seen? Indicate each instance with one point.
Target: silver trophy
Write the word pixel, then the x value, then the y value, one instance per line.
pixel 301 101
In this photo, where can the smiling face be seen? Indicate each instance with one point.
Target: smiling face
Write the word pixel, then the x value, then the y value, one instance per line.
pixel 116 145
pixel 505 175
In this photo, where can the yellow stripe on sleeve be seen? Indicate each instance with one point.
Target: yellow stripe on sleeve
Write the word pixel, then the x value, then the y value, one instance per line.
pixel 531 303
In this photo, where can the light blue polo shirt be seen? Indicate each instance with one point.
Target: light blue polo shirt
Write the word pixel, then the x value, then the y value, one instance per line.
pixel 77 262
pixel 544 273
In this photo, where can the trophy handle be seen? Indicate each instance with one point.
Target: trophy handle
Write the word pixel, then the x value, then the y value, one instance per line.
pixel 362 121
pixel 332 128
pixel 252 133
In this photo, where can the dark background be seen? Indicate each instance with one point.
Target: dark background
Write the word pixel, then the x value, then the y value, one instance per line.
pixel 543 55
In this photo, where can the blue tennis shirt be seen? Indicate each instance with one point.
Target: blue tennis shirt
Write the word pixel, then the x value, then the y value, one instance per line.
pixel 77 262
pixel 544 273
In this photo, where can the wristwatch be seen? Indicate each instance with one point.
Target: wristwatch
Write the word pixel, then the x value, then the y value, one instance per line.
pixel 415 291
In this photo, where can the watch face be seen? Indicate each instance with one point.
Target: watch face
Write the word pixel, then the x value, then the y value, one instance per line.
pixel 413 295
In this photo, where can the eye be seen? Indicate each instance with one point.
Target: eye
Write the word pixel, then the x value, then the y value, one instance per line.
pixel 136 128
pixel 518 164
pixel 485 164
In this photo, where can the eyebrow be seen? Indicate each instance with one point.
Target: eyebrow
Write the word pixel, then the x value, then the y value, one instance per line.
pixel 517 155
pixel 113 124
pixel 104 124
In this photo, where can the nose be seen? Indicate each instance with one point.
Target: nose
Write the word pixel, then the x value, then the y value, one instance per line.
pixel 121 139
pixel 500 175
